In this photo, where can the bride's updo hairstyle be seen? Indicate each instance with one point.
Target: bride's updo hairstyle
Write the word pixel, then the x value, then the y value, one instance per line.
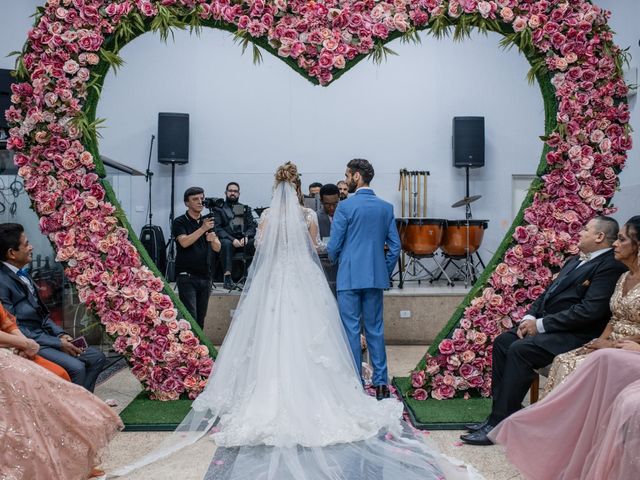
pixel 289 173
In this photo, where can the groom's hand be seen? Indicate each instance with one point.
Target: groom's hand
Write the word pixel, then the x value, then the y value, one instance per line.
pixel 527 328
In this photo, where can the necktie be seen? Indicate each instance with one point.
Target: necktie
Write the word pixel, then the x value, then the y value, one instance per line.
pixel 24 276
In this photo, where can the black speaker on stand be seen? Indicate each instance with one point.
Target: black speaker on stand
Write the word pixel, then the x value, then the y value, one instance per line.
pixel 173 149
pixel 468 152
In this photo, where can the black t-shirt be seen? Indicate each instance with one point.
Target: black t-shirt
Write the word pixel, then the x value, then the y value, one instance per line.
pixel 194 259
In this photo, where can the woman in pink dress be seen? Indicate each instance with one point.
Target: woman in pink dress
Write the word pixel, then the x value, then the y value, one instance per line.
pixel 587 428
pixel 49 428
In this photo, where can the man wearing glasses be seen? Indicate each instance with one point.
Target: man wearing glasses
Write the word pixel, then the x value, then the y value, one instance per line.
pixel 236 229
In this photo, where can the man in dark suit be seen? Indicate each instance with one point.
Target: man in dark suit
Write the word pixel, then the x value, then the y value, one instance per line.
pixel 20 297
pixel 329 199
pixel 573 310
pixel 236 229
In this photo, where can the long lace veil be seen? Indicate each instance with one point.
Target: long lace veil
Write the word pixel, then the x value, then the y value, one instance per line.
pixel 282 240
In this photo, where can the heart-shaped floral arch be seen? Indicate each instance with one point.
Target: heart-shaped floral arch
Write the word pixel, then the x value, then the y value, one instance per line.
pixel 74 42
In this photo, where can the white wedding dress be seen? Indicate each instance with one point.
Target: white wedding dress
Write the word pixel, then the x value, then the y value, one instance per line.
pixel 284 386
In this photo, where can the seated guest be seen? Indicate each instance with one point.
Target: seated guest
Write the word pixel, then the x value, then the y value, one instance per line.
pixel 625 307
pixel 236 229
pixel 195 239
pixel 344 189
pixel 573 309
pixel 588 428
pixel 51 428
pixel 20 298
pixel 12 337
pixel 314 189
pixel 329 198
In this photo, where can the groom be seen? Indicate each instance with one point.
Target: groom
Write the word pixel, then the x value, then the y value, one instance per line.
pixel 362 224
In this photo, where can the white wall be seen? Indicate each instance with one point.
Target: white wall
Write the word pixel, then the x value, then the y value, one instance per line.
pixel 246 119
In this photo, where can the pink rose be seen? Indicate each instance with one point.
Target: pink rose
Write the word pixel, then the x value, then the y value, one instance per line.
pixel 443 392
pixel 507 14
pixel 401 22
pixel 420 394
pixel 418 379
pixel 519 24
pixel 70 66
pixel 467 356
pixel 446 347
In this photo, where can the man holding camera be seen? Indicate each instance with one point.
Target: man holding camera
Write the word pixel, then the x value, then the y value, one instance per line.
pixel 195 238
pixel 236 229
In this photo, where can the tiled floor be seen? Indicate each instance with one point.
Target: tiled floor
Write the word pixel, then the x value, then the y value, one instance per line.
pixel 191 463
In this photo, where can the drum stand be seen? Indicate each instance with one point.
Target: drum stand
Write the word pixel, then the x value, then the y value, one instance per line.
pixel 468 271
pixel 417 271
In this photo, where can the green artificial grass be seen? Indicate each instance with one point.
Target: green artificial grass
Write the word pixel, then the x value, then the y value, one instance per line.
pixel 442 414
pixel 146 415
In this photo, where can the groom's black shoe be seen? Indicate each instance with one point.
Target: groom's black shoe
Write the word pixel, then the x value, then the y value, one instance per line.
pixel 382 392
pixel 474 427
pixel 479 437
pixel 227 283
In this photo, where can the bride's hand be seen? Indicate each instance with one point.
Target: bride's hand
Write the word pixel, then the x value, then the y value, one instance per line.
pixel 628 345
pixel 599 343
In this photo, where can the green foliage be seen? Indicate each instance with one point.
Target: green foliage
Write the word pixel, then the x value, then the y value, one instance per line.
pixel 380 53
pixel 129 28
pixel 242 38
pixel 440 26
pixel 88 128
pixel 112 58
pixel 165 21
pixel 411 36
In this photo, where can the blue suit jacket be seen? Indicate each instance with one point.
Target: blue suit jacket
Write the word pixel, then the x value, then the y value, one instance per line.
pixel 361 226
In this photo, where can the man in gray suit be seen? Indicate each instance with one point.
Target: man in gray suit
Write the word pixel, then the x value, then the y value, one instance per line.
pixel 19 295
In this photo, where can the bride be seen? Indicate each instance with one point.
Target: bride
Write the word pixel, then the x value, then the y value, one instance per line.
pixel 284 387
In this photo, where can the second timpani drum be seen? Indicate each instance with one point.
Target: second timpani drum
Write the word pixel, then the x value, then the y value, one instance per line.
pixel 454 243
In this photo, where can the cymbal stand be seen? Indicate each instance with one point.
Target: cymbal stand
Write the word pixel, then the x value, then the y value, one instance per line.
pixel 468 260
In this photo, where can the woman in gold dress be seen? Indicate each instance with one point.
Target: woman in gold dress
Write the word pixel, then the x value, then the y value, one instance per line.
pixel 625 307
pixel 50 428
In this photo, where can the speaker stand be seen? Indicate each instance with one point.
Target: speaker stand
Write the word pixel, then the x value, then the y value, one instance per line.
pixel 171 255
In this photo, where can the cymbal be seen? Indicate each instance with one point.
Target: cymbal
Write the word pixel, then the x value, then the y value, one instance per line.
pixel 466 201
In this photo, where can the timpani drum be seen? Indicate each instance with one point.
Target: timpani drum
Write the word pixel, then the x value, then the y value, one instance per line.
pixel 454 243
pixel 421 237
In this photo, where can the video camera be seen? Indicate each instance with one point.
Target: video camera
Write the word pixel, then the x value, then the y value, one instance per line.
pixel 237 222
pixel 212 202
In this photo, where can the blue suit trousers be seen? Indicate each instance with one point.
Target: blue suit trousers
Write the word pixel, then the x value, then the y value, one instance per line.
pixel 363 308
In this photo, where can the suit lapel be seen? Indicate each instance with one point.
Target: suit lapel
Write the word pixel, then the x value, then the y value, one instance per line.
pixel 570 274
pixel 32 298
